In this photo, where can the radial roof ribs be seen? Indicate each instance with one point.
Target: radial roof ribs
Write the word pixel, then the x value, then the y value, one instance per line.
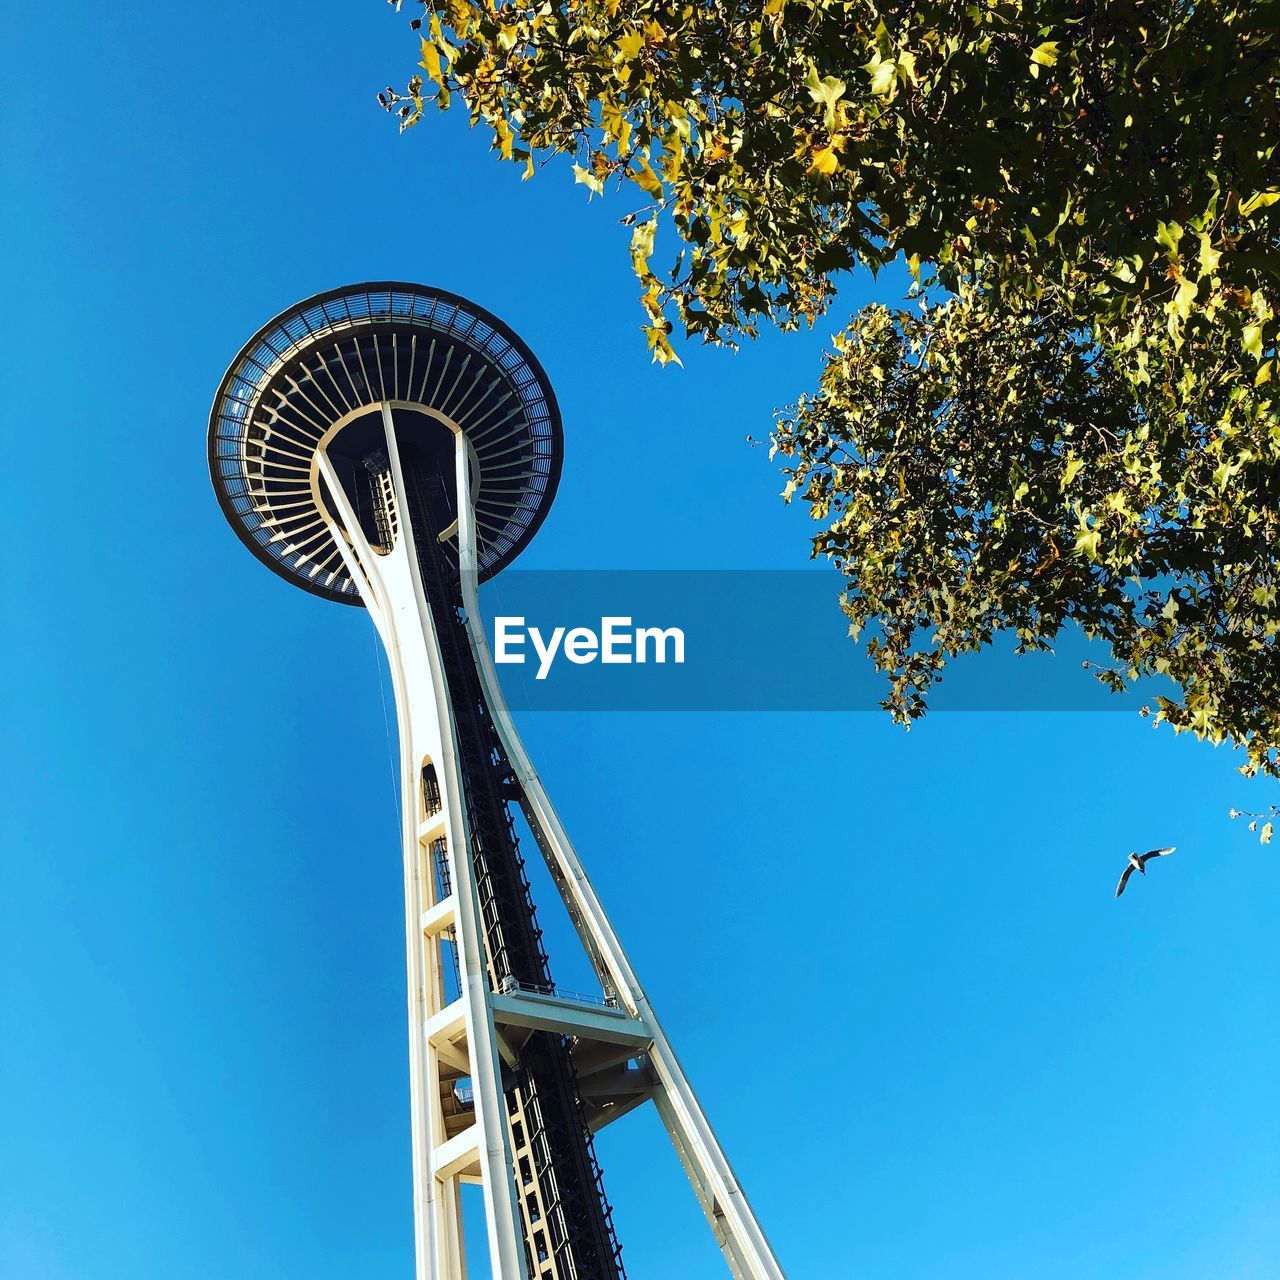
pixel 324 364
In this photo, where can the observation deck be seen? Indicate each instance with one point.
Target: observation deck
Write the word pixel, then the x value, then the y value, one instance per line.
pixel 316 377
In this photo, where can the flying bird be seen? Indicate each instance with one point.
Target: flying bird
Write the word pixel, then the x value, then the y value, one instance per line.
pixel 1138 862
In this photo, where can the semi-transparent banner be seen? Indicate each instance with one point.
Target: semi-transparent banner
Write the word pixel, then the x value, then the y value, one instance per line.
pixel 740 640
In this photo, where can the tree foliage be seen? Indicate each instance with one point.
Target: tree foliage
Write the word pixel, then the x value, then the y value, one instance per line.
pixel 1072 418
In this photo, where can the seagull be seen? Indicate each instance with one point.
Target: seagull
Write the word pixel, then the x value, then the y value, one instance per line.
pixel 1138 862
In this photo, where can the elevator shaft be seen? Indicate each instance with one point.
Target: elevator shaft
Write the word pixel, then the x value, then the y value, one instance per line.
pixel 567 1220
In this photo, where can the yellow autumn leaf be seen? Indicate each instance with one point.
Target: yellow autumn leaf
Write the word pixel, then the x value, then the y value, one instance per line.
pixel 588 179
pixel 642 246
pixel 505 137
pixel 615 124
pixel 430 60
pixel 1259 201
pixel 648 181
pixel 824 161
pixel 660 344
pixel 629 46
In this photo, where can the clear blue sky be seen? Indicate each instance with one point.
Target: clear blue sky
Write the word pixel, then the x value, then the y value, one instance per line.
pixel 935 1047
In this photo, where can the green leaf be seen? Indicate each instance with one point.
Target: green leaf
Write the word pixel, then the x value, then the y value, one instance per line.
pixel 827 91
pixel 1046 54
pixel 1169 236
pixel 1088 542
pixel 883 73
pixel 1184 298
pixel 1209 256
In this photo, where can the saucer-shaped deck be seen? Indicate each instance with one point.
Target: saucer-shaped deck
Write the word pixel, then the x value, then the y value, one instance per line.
pixel 324 367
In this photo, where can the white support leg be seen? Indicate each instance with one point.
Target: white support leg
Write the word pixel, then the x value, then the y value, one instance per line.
pixel 391 587
pixel 736 1229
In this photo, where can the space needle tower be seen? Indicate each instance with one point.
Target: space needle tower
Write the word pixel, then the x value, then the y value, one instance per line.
pixel 392 446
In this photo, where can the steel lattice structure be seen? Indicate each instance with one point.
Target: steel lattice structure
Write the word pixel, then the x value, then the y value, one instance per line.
pixel 390 445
